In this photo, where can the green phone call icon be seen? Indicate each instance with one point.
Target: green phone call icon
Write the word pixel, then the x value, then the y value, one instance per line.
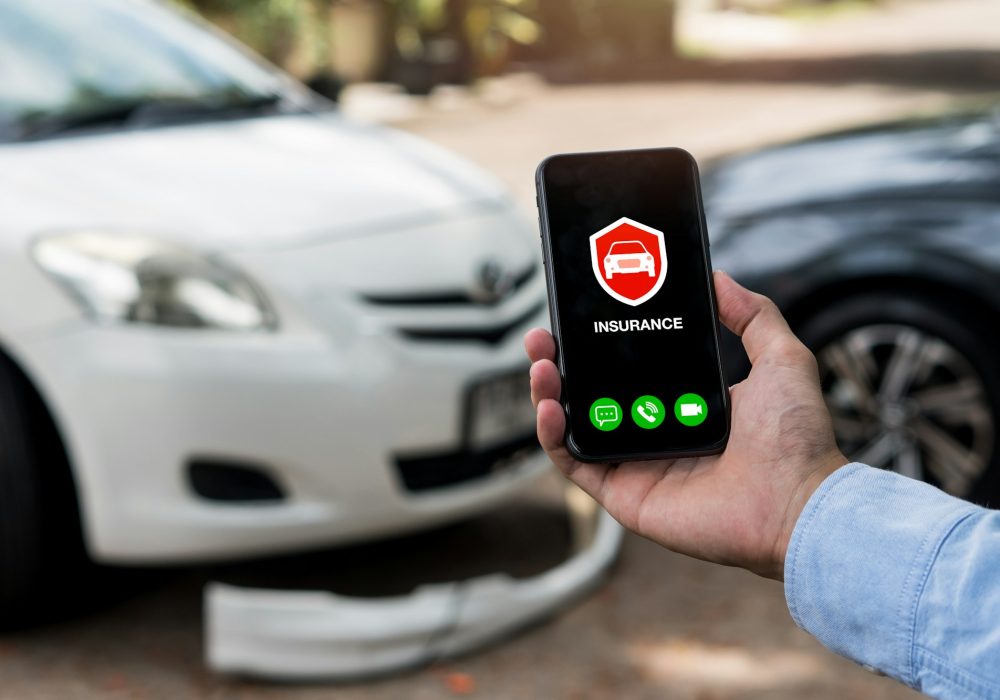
pixel 648 412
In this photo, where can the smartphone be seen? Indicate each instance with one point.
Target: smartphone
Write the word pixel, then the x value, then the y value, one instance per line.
pixel 632 305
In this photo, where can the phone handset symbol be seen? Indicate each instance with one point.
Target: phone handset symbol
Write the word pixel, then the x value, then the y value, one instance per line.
pixel 648 412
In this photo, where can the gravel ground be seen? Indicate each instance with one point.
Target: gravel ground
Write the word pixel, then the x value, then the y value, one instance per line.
pixel 664 626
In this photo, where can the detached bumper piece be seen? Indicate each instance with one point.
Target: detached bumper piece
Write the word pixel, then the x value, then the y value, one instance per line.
pixel 318 635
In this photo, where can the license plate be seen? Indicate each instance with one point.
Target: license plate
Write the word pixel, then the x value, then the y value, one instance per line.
pixel 500 410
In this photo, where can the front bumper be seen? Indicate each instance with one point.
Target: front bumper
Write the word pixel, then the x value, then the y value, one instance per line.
pixel 287 635
pixel 326 418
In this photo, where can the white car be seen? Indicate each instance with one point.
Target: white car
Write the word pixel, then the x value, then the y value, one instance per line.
pixel 628 257
pixel 231 322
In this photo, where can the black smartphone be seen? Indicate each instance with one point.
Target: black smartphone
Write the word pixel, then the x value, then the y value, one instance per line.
pixel 633 305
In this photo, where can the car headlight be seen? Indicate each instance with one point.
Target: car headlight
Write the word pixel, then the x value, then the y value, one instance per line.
pixel 142 279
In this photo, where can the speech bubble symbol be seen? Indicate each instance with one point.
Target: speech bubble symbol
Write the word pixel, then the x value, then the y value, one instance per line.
pixel 606 414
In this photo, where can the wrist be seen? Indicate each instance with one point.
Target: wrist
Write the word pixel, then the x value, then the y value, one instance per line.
pixel 812 480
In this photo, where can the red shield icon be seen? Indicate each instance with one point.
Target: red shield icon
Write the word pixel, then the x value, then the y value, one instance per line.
pixel 630 260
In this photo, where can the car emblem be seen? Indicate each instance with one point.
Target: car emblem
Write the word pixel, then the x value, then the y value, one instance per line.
pixel 493 282
pixel 629 260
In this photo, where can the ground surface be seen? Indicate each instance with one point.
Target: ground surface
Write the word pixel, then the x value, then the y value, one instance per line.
pixel 664 626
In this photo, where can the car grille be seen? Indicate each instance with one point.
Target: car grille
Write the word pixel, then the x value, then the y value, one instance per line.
pixel 491 335
pixel 426 472
pixel 456 316
pixel 449 297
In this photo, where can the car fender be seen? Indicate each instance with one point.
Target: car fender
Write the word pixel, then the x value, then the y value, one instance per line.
pixel 836 274
pixel 840 273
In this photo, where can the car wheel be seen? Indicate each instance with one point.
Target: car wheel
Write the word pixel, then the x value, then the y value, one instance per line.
pixel 20 524
pixel 913 385
pixel 41 547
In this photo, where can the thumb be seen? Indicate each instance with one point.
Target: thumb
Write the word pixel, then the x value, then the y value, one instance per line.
pixel 751 316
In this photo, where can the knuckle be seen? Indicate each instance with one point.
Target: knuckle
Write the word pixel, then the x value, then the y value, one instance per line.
pixel 765 304
pixel 765 301
pixel 793 351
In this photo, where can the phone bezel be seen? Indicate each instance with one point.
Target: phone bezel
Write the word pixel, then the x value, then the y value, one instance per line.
pixel 546 236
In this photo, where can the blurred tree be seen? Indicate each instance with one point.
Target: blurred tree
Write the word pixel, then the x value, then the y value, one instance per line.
pixel 606 38
pixel 430 42
pixel 562 28
pixel 455 41
pixel 275 28
pixel 638 29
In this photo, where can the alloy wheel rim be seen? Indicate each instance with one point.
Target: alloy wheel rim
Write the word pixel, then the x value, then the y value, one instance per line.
pixel 903 399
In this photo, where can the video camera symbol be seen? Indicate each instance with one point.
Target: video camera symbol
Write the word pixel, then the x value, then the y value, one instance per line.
pixel 691 409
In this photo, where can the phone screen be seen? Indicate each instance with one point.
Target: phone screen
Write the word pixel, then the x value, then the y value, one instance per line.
pixel 632 304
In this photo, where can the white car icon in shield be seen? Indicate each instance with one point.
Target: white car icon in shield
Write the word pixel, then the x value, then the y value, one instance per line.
pixel 627 257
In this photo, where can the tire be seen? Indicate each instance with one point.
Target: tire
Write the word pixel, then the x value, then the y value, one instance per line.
pixel 41 545
pixel 20 498
pixel 913 384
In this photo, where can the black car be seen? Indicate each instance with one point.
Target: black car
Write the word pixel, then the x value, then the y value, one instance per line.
pixel 882 247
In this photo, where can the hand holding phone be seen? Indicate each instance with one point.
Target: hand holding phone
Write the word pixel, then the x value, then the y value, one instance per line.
pixel 739 507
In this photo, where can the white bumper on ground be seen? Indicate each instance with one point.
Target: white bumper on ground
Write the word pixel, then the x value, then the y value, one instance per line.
pixel 285 635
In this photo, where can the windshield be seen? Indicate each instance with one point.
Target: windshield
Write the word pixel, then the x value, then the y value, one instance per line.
pixel 627 248
pixel 63 59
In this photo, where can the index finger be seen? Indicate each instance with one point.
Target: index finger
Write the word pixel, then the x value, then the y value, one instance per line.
pixel 540 345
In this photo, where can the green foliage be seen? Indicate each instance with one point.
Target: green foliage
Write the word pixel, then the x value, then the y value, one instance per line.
pixel 813 10
pixel 487 28
pixel 272 27
pixel 480 36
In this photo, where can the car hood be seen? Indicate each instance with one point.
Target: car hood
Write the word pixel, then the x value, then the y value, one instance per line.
pixel 952 158
pixel 245 184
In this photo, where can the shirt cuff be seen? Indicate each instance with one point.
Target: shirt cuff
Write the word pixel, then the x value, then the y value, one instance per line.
pixel 858 559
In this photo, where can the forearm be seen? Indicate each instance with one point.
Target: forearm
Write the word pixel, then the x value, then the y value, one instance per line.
pixel 899 576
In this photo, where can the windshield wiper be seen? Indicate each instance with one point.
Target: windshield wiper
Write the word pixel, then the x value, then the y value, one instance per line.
pixel 39 126
pixel 146 112
pixel 157 111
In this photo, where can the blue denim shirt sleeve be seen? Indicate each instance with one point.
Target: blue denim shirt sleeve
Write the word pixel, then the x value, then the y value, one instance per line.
pixel 901 577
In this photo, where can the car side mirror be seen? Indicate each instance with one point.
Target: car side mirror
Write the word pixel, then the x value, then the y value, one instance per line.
pixel 327 84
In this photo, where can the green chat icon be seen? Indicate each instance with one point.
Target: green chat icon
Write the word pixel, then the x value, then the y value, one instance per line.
pixel 605 414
